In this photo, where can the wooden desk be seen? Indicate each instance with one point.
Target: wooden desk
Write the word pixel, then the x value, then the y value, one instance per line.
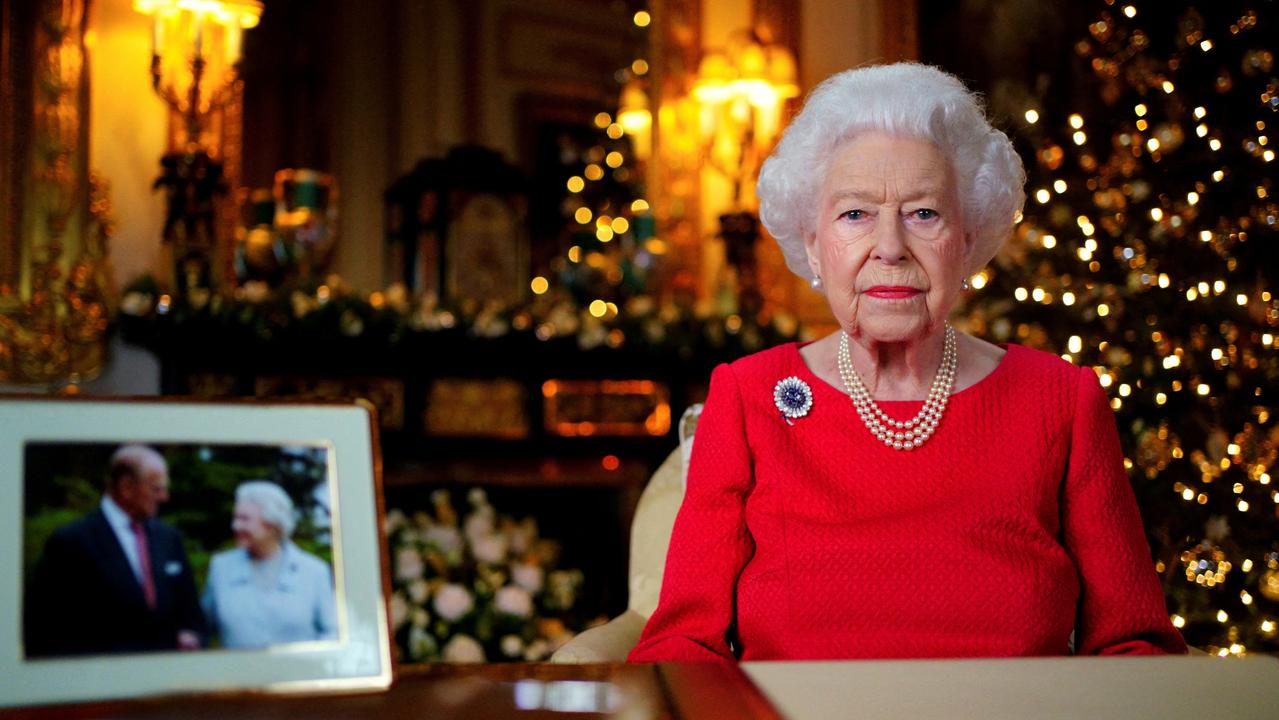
pixel 1194 688
pixel 477 692
pixel 1119 688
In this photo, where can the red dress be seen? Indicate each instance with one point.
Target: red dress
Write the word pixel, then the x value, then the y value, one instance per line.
pixel 1012 526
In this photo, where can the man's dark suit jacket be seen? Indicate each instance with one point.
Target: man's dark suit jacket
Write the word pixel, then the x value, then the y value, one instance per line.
pixel 85 599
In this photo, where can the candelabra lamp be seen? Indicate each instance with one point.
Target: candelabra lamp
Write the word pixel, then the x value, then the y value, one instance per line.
pixel 195 59
pixel 740 92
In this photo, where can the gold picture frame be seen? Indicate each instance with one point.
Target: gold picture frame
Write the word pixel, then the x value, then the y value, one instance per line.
pixel 342 441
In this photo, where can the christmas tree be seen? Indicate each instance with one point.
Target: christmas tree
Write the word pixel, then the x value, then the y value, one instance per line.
pixel 604 221
pixel 1147 251
pixel 605 251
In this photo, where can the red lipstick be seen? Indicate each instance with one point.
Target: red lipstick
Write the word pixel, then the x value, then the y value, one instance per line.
pixel 893 292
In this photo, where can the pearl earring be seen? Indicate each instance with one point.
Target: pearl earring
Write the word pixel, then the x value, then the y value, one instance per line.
pixel 965 286
pixel 815 283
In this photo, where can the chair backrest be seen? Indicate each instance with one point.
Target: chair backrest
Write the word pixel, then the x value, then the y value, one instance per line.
pixel 687 426
pixel 654 518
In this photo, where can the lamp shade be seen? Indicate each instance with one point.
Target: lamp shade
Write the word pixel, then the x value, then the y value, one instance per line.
pixel 714 73
pixel 240 13
pixel 782 74
pixel 633 114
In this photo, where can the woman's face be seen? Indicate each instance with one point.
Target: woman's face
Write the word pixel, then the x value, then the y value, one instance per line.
pixel 889 244
pixel 252 532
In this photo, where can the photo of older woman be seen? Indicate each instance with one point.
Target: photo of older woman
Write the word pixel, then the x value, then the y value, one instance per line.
pixel 899 488
pixel 268 591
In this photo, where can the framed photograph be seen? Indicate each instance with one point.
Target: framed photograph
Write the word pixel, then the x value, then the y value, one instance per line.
pixel 154 547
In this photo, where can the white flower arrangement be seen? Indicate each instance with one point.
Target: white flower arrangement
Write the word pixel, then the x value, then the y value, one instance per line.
pixel 462 648
pixel 453 602
pixel 528 576
pixel 482 588
pixel 513 600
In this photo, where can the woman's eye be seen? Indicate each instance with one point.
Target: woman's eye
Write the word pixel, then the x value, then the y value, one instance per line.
pixel 924 214
pixel 854 214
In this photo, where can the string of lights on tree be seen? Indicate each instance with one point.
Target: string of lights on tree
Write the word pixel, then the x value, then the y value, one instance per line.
pixel 612 248
pixel 1147 251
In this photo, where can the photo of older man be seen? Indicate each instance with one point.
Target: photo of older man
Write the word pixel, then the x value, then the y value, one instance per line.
pixel 117 580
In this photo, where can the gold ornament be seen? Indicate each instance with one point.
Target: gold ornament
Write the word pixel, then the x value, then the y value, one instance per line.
pixel 1216 444
pixel 1224 82
pixel 1258 62
pixel 1269 585
pixel 1110 199
pixel 1154 450
pixel 1170 136
pixel 264 253
pixel 1270 98
pixel 1206 564
pixel 1101 30
pixel 1051 155
pixel 53 314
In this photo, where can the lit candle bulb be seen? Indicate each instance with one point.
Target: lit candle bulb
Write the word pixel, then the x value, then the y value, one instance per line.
pixel 198 22
pixel 234 35
pixel 157 34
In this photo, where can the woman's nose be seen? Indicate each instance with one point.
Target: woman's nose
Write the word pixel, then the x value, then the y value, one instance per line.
pixel 890 243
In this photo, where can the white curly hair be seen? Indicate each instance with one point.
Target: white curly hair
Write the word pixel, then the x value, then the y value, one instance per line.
pixel 901 99
pixel 275 504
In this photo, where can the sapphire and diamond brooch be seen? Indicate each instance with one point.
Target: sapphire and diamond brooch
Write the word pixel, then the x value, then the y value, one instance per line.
pixel 793 398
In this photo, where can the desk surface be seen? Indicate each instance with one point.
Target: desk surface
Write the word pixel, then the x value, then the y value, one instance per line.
pixel 1198 688
pixel 478 692
pixel 1118 688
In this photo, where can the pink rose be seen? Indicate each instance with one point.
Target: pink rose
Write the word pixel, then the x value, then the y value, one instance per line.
pixel 399 610
pixel 419 591
pixel 512 646
pixel 408 564
pixel 513 600
pixel 489 548
pixel 453 602
pixel 527 576
pixel 463 649
pixel 445 538
pixel 478 524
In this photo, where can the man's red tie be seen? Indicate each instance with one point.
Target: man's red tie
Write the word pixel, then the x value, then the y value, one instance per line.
pixel 144 561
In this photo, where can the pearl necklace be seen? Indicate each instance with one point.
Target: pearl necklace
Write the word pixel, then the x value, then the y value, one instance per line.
pixel 901 434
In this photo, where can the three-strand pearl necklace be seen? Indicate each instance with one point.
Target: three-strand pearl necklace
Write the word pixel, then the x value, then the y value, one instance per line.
pixel 901 434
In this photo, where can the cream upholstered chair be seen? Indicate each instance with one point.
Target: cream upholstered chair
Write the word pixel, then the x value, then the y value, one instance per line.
pixel 650 538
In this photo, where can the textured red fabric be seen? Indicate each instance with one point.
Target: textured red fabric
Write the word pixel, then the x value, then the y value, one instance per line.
pixel 1011 526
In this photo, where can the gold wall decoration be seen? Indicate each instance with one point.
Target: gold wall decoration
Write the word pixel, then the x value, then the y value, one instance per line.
pixel 606 407
pixel 11 137
pixel 209 385
pixel 54 289
pixel 386 394
pixel 470 407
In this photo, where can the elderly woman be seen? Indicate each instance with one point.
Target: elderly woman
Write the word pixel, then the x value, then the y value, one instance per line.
pixel 267 591
pixel 898 488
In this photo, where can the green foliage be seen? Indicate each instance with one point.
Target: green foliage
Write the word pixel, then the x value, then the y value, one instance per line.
pixel 37 530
